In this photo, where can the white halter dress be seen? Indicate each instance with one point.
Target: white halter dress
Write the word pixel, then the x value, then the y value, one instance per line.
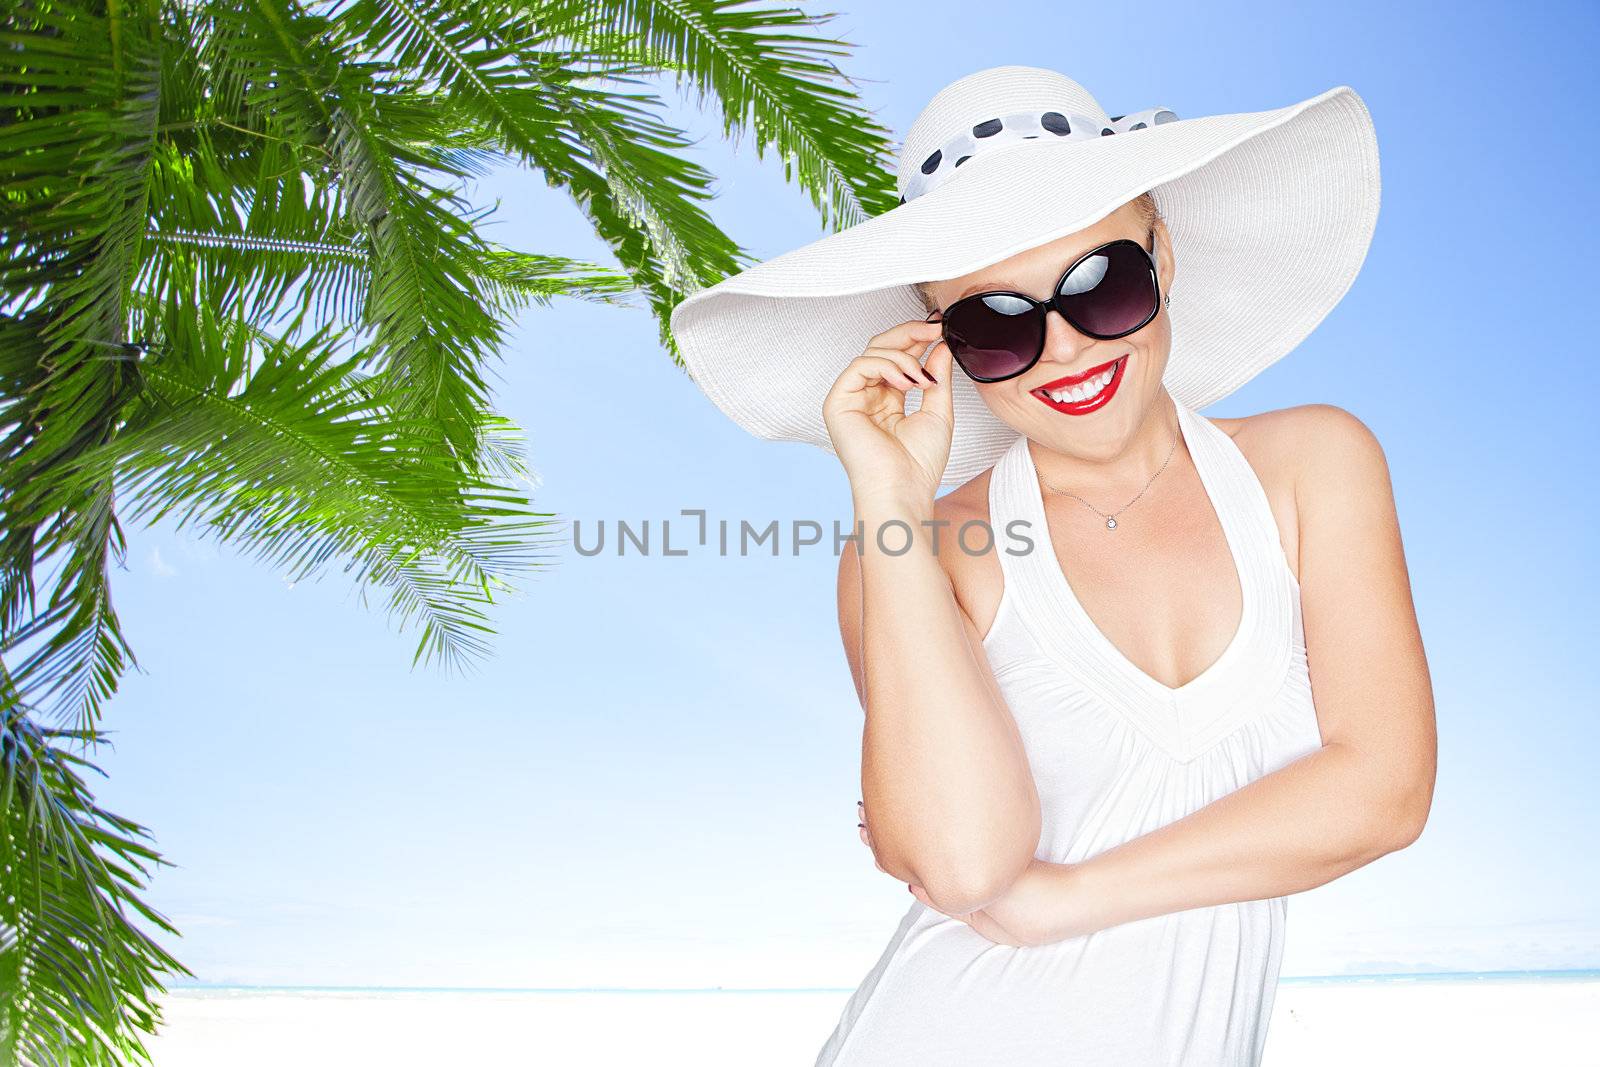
pixel 1115 754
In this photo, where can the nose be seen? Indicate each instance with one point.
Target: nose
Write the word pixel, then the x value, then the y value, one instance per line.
pixel 1063 344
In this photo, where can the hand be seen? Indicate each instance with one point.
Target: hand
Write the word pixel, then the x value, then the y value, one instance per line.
pixel 881 447
pixel 1021 918
pixel 866 836
pixel 1031 913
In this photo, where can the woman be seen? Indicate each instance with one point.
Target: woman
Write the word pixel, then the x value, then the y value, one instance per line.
pixel 1091 747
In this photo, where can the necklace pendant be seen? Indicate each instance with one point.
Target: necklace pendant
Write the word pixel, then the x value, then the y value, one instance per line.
pixel 1111 524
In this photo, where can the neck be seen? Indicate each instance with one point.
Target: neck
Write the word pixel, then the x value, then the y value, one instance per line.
pixel 1129 468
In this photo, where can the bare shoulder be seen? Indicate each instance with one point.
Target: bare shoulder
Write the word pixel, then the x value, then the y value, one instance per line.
pixel 1307 455
pixel 1289 437
pixel 1309 442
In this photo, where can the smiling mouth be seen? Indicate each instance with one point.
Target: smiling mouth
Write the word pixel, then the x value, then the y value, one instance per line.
pixel 1079 394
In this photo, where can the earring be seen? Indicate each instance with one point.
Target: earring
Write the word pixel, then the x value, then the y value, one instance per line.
pixel 1166 299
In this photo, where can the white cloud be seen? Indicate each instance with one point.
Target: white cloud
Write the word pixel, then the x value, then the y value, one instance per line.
pixel 159 566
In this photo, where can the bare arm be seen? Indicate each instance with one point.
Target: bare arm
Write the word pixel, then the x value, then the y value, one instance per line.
pixel 943 769
pixel 1365 793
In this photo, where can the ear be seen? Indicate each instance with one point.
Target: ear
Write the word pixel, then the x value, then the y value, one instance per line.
pixel 1166 265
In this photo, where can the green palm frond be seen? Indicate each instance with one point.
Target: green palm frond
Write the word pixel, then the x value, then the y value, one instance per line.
pixel 71 250
pixel 258 245
pixel 641 198
pixel 503 75
pixel 372 133
pixel 523 278
pixel 781 86
pixel 282 449
pixel 76 971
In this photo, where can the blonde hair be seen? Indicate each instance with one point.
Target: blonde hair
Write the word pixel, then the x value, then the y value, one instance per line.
pixel 1144 204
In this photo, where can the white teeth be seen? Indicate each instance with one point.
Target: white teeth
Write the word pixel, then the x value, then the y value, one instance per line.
pixel 1083 390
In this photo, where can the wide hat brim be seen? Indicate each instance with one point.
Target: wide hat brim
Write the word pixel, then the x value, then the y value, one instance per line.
pixel 1270 215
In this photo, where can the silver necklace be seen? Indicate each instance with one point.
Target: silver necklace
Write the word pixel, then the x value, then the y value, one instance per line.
pixel 1111 519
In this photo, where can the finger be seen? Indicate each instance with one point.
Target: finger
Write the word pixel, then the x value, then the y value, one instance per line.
pixel 909 359
pixel 867 371
pixel 908 363
pixel 866 839
pixel 913 333
pixel 993 931
pixel 940 397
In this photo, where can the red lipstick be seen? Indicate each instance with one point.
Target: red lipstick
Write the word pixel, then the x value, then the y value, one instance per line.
pixel 1094 403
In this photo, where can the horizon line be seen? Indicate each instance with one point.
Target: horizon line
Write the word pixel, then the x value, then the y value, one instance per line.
pixel 1567 972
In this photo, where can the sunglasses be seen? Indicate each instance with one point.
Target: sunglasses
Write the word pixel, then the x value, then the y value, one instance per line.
pixel 1108 292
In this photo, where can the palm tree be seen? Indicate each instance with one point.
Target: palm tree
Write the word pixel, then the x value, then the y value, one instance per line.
pixel 240 285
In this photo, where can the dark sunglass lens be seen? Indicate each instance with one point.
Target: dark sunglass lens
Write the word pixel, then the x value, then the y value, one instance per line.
pixel 993 336
pixel 1112 292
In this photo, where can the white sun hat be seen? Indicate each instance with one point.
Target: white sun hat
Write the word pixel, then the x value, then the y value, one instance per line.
pixel 1270 215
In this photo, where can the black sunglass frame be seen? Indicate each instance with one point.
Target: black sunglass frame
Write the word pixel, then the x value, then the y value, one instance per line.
pixel 1042 307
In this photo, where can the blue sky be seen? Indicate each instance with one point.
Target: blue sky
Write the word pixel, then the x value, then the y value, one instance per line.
pixel 653 782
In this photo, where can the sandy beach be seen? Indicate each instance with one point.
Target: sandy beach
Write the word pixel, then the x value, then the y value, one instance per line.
pixel 1371 1022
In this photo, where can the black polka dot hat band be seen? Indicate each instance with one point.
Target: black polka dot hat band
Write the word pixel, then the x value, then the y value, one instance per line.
pixel 1269 215
pixel 1020 126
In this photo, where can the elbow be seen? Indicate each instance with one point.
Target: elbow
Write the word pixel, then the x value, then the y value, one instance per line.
pixel 1394 796
pixel 963 895
pixel 1403 817
pixel 966 869
pixel 960 889
pixel 1408 825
